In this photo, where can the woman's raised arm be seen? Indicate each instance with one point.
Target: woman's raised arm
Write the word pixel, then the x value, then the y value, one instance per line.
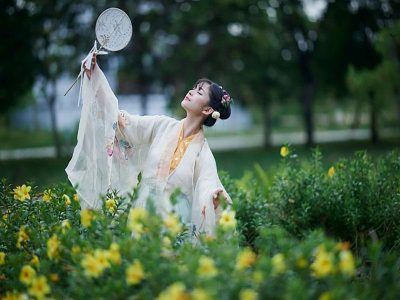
pixel 88 72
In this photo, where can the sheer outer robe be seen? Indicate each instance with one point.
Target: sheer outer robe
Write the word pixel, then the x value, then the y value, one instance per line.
pixel 110 156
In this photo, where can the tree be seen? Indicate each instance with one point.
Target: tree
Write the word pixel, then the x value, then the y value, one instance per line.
pixel 347 47
pixel 59 35
pixel 388 46
pixel 18 61
pixel 379 85
pixel 233 43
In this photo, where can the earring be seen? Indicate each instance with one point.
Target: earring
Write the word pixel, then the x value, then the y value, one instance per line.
pixel 215 115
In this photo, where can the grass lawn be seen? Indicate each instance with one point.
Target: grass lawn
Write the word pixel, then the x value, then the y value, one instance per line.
pixel 235 162
pixel 16 138
pixel 45 172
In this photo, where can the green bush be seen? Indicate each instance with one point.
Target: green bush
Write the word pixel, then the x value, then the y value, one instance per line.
pixel 356 200
pixel 50 248
pixel 274 247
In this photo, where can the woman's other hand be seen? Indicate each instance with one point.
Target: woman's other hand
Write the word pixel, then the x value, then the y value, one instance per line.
pixel 216 196
pixel 87 71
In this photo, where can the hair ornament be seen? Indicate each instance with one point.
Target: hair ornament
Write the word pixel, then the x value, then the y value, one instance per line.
pixel 215 115
pixel 226 99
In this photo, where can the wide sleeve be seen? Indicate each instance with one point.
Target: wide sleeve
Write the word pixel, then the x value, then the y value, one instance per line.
pixel 206 182
pixel 107 156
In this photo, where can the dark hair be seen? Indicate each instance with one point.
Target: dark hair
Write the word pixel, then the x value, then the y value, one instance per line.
pixel 216 93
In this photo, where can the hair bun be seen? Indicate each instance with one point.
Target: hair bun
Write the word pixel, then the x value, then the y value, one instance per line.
pixel 224 112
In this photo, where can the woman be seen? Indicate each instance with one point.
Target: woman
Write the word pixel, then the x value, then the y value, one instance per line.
pixel 114 147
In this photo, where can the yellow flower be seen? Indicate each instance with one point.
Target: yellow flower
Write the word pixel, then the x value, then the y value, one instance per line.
pixel 65 225
pixel 86 217
pixel 172 223
pixel 111 205
pixel 245 259
pixel 91 266
pixel 23 237
pixel 53 245
pixel 227 220
pixel 331 171
pixel 346 264
pixel 325 296
pixel 76 198
pixel 248 294
pixel 137 216
pixel 166 249
pixel 35 260
pixel 54 277
pixel 39 287
pixel 2 258
pixel 113 254
pixel 27 274
pixel 206 267
pixel 14 295
pixel 323 263
pixel 284 151
pixel 175 291
pixel 47 195
pixel 207 238
pixel 200 294
pixel 102 258
pixel 342 246
pixel 66 199
pixel 21 193
pixel 278 263
pixel 134 273
pixel 301 262
pixel 166 242
pixel 75 250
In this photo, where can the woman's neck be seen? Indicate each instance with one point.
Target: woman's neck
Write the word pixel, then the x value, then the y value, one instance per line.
pixel 192 125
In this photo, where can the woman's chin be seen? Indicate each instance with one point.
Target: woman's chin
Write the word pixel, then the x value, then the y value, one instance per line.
pixel 184 105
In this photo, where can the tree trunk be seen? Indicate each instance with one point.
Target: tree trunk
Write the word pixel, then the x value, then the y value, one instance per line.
pixel 398 108
pixel 267 124
pixel 51 101
pixel 305 57
pixel 307 95
pixel 373 119
pixel 357 115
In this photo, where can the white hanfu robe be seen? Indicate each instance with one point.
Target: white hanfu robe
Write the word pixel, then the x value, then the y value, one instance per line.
pixel 108 155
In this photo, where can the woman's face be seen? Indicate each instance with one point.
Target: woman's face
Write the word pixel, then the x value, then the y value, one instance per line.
pixel 197 98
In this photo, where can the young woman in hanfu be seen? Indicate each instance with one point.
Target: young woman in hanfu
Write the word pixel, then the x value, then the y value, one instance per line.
pixel 114 147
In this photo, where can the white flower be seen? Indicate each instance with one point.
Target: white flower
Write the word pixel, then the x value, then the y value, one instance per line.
pixel 215 115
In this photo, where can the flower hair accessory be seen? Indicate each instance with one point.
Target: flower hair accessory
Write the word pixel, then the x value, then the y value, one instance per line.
pixel 226 100
pixel 215 115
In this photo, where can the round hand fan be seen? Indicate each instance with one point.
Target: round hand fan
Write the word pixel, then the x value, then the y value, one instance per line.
pixel 113 31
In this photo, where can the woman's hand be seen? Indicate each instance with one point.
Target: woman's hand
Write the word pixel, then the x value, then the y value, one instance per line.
pixel 121 120
pixel 87 71
pixel 217 194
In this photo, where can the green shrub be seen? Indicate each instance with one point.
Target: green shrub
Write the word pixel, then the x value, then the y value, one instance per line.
pixel 358 201
pixel 279 249
pixel 51 248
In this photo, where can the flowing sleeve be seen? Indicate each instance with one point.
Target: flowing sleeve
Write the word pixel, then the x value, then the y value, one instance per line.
pixel 206 182
pixel 107 155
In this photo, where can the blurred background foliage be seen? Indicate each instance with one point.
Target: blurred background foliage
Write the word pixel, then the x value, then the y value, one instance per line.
pixel 275 57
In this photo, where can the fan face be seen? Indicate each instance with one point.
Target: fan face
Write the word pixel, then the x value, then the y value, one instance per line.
pixel 113 29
